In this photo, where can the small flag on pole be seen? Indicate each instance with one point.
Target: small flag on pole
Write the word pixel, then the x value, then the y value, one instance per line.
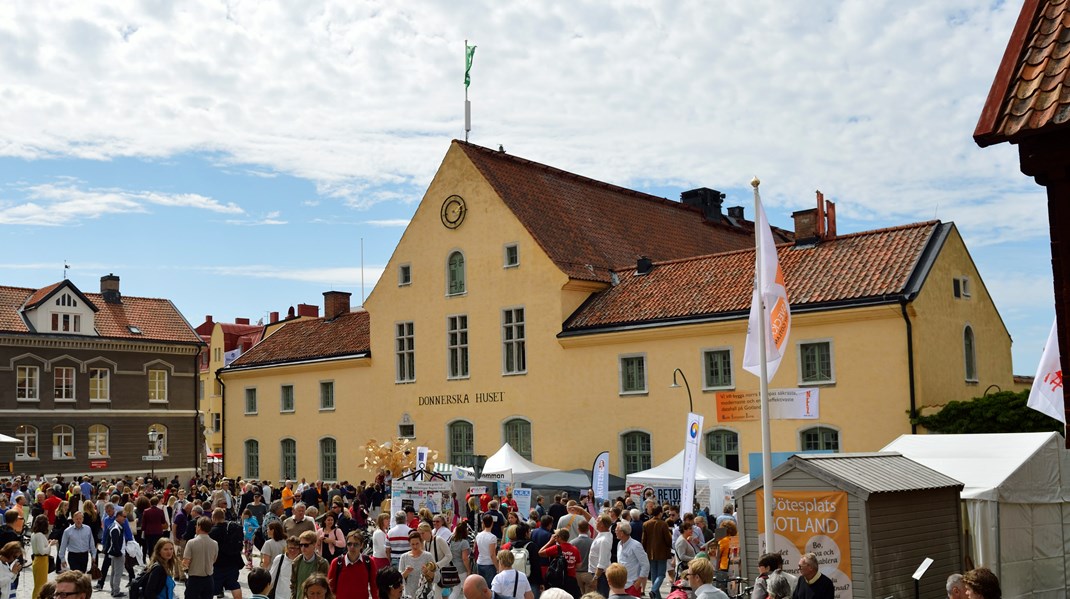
pixel 469 53
pixel 775 297
pixel 1047 393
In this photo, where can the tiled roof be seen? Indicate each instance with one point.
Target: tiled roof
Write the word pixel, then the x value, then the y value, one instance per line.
pixel 1031 91
pixel 311 339
pixel 589 228
pixel 41 294
pixel 157 319
pixel 851 267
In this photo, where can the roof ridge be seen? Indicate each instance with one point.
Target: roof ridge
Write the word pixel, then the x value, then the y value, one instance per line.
pixel 856 234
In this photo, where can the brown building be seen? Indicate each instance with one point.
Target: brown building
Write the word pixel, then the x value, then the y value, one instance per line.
pixel 88 379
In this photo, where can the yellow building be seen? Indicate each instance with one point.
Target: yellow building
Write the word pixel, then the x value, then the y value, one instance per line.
pixel 528 305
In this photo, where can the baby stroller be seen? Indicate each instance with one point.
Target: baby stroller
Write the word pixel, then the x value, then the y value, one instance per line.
pixel 681 589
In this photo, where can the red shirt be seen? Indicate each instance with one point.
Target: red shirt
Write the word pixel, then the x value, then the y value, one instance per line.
pixel 50 506
pixel 352 580
pixel 153 521
pixel 572 556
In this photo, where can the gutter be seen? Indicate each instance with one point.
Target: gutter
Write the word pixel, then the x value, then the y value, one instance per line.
pixel 196 406
pixel 223 419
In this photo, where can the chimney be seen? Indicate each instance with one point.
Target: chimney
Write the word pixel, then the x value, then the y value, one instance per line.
pixel 815 224
pixel 643 266
pixel 109 289
pixel 805 226
pixel 308 310
pixel 335 303
pixel 736 213
pixel 208 319
pixel 290 313
pixel 707 200
pixel 241 321
pixel 274 317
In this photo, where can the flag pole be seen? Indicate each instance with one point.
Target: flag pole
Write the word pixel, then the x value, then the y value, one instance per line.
pixel 767 458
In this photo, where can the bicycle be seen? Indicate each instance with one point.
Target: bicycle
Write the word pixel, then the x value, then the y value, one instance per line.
pixel 743 588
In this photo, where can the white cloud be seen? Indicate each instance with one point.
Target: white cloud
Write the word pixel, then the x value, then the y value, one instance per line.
pixel 389 222
pixel 66 203
pixel 271 218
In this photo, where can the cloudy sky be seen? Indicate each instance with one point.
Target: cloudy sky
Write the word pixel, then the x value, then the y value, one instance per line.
pixel 231 155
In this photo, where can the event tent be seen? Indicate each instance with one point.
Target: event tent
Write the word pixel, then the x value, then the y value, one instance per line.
pixel 508 460
pixel 710 479
pixel 573 481
pixel 1016 503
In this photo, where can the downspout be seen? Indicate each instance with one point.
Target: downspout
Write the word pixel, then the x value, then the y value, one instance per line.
pixel 910 365
pixel 196 407
pixel 222 420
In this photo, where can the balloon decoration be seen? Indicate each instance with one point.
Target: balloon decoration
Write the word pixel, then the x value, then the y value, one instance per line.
pixel 396 457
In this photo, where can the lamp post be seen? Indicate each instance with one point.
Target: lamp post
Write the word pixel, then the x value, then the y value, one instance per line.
pixel 478 463
pixel 153 437
pixel 675 385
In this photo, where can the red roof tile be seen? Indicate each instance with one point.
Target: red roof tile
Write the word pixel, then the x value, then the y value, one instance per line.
pixel 863 265
pixel 589 228
pixel 157 319
pixel 1031 91
pixel 311 339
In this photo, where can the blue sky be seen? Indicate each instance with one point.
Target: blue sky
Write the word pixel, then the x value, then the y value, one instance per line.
pixel 231 155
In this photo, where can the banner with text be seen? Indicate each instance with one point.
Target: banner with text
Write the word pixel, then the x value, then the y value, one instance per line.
pixel 784 404
pixel 600 476
pixel 523 500
pixel 431 494
pixel 811 521
pixel 691 441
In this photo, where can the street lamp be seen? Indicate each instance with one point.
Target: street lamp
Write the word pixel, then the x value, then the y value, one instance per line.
pixel 153 436
pixel 676 385
pixel 478 463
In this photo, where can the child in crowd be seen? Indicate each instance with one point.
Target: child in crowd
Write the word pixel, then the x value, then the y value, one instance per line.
pixel 249 525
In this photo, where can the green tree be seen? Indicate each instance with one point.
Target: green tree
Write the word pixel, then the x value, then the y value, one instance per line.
pixel 1002 412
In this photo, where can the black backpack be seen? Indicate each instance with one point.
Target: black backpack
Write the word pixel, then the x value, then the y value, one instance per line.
pixel 557 572
pixel 235 540
pixel 137 585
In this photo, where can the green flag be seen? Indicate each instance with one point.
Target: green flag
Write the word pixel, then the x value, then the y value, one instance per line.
pixel 470 51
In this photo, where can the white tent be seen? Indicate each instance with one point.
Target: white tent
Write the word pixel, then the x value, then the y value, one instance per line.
pixel 6 439
pixel 507 459
pixel 1016 500
pixel 710 479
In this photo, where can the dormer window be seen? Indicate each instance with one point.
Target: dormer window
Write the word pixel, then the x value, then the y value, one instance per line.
pixel 66 323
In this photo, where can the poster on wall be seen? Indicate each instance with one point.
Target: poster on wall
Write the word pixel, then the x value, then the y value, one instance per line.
pixel 784 404
pixel 431 494
pixel 811 522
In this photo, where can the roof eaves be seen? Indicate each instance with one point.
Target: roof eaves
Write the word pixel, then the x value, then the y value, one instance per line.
pixel 923 264
pixel 297 361
pixel 985 134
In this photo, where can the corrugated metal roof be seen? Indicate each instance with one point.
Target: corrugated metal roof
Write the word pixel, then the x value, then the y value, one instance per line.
pixel 878 472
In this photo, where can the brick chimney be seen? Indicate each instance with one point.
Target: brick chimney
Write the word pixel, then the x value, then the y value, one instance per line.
pixel 815 224
pixel 208 319
pixel 308 310
pixel 109 289
pixel 273 318
pixel 707 200
pixel 241 321
pixel 335 303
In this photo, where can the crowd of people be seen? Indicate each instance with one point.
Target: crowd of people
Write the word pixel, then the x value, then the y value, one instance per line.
pixel 315 540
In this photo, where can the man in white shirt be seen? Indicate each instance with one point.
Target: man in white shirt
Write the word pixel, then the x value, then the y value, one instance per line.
pixel 599 557
pixel 282 569
pixel 631 555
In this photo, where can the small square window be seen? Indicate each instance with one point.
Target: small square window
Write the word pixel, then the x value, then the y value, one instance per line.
pixel 512 255
pixel 250 401
pixel 815 363
pixel 286 395
pixel 407 431
pixel 960 287
pixel 632 374
pixel 326 395
pixel 717 369
pixel 404 275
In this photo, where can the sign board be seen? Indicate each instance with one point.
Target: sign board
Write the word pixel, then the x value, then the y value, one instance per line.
pixel 421 458
pixel 503 476
pixel 7 468
pixel 152 458
pixel 523 501
pixel 98 464
pixel 811 522
pixel 600 476
pixel 431 494
pixel 784 404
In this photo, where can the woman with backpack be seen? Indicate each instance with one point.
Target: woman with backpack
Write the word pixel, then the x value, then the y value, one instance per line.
pixel 159 575
pixel 510 583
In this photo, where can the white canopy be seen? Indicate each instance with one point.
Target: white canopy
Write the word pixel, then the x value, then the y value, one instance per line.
pixel 507 459
pixel 1017 499
pixel 6 439
pixel 708 475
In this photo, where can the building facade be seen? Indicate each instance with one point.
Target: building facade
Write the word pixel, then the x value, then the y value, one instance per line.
pixel 97 382
pixel 531 306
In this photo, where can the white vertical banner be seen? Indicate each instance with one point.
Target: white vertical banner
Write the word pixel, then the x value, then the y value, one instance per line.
pixel 1046 396
pixel 691 441
pixel 600 476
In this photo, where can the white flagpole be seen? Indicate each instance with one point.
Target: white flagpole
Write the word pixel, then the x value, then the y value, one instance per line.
pixel 767 458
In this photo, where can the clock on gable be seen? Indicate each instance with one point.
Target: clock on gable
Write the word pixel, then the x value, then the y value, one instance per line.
pixel 453 211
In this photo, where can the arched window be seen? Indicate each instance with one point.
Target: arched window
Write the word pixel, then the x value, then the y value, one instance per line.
pixel 636 446
pixel 63 442
pixel 161 439
pixel 328 459
pixel 462 439
pixel 252 458
pixel 518 435
pixel 27 448
pixel 98 441
pixel 289 459
pixel 722 446
pixel 455 274
pixel 820 437
pixel 969 352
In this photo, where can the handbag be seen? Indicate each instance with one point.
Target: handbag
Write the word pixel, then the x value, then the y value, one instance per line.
pixel 51 564
pixel 448 576
pixel 94 572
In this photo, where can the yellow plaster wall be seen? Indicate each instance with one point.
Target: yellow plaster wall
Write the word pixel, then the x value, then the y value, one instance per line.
pixel 938 332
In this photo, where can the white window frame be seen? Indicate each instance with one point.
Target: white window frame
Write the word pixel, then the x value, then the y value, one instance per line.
pixel 966 357
pixel 65 322
pixel 62 439
pixel 706 386
pixel 505 255
pixel 24 433
pixel 64 378
pixel 404 275
pixel 31 374
pixel 329 384
pixel 256 401
pixel 832 361
pixel 98 437
pixel 154 386
pixel 620 373
pixel 457 350
pixel 103 385
pixel 405 356
pixel 516 342
pixel 282 398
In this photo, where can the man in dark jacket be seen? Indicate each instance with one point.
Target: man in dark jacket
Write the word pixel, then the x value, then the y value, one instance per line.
pixel 229 537
pixel 657 541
